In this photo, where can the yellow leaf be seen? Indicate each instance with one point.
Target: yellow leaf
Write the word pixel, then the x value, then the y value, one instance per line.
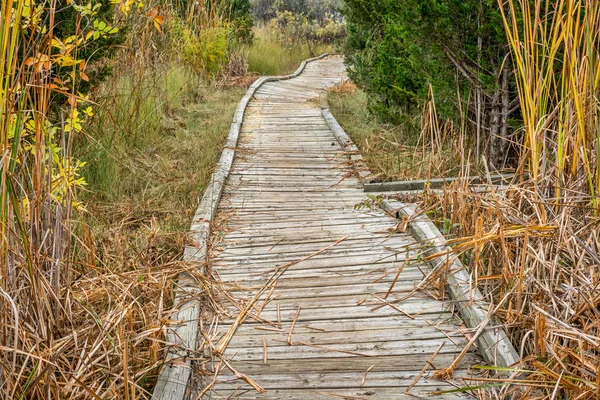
pixel 88 111
pixel 72 100
pixel 156 25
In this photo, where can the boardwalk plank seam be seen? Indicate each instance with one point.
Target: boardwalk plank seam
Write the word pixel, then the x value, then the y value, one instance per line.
pixel 287 205
pixel 182 333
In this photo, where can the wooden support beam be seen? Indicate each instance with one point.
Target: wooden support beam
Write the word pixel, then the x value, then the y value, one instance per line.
pixel 433 183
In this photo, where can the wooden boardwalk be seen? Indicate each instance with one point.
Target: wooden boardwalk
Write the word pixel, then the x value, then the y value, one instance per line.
pixel 290 203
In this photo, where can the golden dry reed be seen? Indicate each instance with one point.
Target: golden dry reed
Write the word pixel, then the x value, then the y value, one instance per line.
pixel 78 318
pixel 534 246
pixel 555 48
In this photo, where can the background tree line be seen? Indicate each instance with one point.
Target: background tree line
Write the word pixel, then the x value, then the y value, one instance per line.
pixel 265 10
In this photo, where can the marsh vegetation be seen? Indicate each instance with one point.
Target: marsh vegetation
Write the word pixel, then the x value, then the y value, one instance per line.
pixel 469 88
pixel 114 112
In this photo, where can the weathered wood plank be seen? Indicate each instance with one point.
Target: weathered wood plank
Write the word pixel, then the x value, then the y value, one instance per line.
pixel 344 380
pixel 290 194
pixel 494 344
pixel 409 362
pixel 364 393
pixel 435 183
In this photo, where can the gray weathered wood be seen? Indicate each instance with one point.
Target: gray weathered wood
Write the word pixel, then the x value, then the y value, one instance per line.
pixel 181 335
pixel 291 193
pixel 495 346
pixel 344 140
pixel 420 184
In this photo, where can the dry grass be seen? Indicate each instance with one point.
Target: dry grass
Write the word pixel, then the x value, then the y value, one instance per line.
pixel 111 341
pixel 545 273
pixel 142 193
pixel 86 279
pixel 534 247
pixel 152 146
pixel 266 56
pixel 419 148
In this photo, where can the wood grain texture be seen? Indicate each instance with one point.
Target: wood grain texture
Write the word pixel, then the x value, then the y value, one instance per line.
pixel 494 345
pixel 182 332
pixel 292 191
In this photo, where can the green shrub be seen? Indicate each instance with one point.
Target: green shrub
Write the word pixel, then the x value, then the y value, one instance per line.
pixel 289 29
pixel 265 10
pixel 241 28
pixel 206 50
pixel 240 17
pixel 397 49
pixel 66 23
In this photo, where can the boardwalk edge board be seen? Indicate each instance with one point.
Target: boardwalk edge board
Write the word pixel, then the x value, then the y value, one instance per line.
pixel 182 332
pixel 344 140
pixel 432 183
pixel 495 346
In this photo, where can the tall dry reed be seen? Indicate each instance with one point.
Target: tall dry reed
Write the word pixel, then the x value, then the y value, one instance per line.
pixel 79 317
pixel 555 47
pixel 36 194
pixel 534 246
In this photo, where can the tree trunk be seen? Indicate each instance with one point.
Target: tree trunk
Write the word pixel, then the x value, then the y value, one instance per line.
pixel 499 122
pixel 495 150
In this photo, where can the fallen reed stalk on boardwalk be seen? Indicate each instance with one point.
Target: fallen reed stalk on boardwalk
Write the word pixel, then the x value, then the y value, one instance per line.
pixel 277 273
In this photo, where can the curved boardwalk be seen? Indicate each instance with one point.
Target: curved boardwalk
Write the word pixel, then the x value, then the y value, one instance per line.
pixel 291 196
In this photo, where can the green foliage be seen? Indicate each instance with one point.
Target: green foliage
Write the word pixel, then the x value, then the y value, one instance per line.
pixel 204 50
pixel 208 33
pixel 240 18
pixel 392 152
pixel 397 48
pixel 105 41
pixel 262 10
pixel 207 52
pixel 241 28
pixel 266 10
pixel 290 29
